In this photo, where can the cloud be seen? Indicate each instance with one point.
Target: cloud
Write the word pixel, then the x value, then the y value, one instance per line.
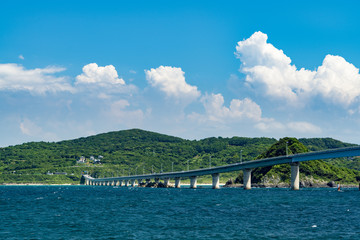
pixel 270 125
pixel 131 118
pixel 239 110
pixel 104 81
pixel 171 81
pixel 29 128
pixel 269 70
pixel 14 77
pixel 102 76
pixel 21 57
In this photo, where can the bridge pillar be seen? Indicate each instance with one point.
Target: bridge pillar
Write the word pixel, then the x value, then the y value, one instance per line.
pixel 133 182
pixel 193 182
pixel 177 182
pixel 120 183
pixel 126 182
pixel 147 181
pixel 139 182
pixel 166 182
pixel 295 179
pixel 157 180
pixel 247 178
pixel 215 180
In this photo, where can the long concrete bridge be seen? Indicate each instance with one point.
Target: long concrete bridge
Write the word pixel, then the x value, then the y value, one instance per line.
pixel 293 160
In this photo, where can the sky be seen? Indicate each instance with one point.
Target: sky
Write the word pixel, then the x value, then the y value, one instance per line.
pixel 192 69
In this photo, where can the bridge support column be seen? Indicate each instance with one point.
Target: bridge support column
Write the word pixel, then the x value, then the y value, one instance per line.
pixel 139 182
pixel 247 179
pixel 177 182
pixel 193 182
pixel 133 182
pixel 166 182
pixel 295 179
pixel 156 180
pixel 120 183
pixel 147 181
pixel 126 182
pixel 215 180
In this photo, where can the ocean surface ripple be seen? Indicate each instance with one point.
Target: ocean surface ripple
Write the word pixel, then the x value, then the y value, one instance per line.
pixel 94 212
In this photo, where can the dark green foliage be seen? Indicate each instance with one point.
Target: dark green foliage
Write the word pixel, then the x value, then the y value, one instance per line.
pixel 285 146
pixel 134 152
pixel 319 170
pixel 317 144
pixel 125 152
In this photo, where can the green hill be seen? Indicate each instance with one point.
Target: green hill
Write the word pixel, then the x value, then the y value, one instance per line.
pixel 317 144
pixel 313 173
pixel 125 152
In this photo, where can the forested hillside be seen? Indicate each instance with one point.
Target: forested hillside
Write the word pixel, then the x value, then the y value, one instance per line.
pixel 126 152
pixel 317 173
pixel 317 144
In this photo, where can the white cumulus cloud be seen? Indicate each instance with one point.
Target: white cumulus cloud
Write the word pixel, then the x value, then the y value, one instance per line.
pixel 269 70
pixel 102 76
pixel 104 81
pixel 171 81
pixel 216 111
pixel 15 77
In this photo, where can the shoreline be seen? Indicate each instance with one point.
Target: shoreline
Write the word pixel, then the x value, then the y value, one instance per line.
pixel 38 184
pixel 288 186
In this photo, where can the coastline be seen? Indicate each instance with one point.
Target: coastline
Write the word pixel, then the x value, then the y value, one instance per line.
pixel 288 186
pixel 38 184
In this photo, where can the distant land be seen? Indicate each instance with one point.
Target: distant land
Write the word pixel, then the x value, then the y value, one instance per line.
pixel 136 151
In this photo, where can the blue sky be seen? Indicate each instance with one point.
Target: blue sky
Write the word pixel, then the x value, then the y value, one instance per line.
pixel 191 69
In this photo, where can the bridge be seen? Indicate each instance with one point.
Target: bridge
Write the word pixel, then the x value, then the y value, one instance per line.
pixel 294 160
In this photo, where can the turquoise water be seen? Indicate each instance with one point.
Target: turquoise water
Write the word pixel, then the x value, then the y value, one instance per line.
pixel 93 212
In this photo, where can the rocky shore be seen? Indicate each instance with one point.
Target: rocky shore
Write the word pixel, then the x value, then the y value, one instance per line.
pixel 156 185
pixel 306 183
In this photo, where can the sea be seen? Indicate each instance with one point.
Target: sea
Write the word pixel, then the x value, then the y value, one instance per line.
pixel 99 212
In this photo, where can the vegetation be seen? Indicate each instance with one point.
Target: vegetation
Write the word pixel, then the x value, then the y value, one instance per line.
pixel 318 171
pixel 317 144
pixel 133 152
